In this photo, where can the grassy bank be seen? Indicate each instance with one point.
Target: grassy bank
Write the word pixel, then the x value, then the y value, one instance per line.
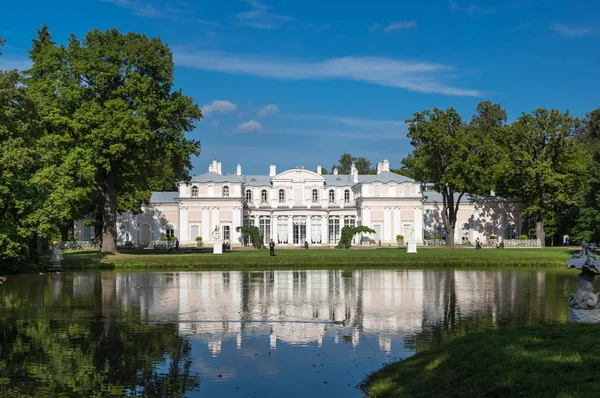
pixel 540 361
pixel 318 258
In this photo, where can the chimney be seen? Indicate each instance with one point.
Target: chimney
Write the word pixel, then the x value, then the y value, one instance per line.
pixel 272 170
pixel 386 165
pixel 319 170
pixel 355 175
pixel 210 168
pixel 219 168
pixel 214 166
pixel 379 167
pixel 335 171
pixel 239 170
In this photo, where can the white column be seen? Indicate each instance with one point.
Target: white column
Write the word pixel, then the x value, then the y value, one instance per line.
pixel 290 230
pixel 324 229
pixel 387 224
pixel 184 233
pixel 237 221
pixel 366 217
pixel 397 227
pixel 308 231
pixel 419 224
pixel 206 236
pixel 274 232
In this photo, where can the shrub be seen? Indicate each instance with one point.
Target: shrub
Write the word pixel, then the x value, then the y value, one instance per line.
pixel 399 237
pixel 163 238
pixel 492 237
pixel 523 237
pixel 437 237
pixel 427 238
pixel 198 239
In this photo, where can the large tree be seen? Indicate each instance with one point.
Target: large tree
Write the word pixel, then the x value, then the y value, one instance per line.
pixel 543 159
pixel 454 156
pixel 345 162
pixel 109 103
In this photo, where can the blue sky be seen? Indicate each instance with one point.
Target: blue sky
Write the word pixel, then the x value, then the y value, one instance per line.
pixel 300 82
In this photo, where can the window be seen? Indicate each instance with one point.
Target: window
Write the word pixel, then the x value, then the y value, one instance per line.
pixel 347 196
pixel 282 230
pixel 264 226
pixel 281 196
pixel 334 230
pixel 315 229
pixel 377 190
pixel 226 232
pixel 225 191
pixel 350 221
pixel 315 196
pixel 407 190
pixel 263 196
pixel 194 191
pixel 194 232
pixel 170 231
pixel 248 195
pixel 331 196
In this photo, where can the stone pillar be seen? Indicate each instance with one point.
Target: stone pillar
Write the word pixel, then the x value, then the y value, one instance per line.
pixel 290 230
pixel 418 224
pixel 308 227
pixel 184 235
pixel 387 224
pixel 237 221
pixel 274 229
pixel 397 226
pixel 325 229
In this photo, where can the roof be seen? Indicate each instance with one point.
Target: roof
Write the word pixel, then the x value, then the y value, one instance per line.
pixel 339 180
pixel 385 176
pixel 212 176
pixel 164 197
pixel 257 180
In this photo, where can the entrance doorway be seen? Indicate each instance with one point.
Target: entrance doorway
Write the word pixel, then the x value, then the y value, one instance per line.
pixel 299 230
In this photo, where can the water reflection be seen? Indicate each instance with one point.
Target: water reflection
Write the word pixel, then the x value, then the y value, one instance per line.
pixel 250 332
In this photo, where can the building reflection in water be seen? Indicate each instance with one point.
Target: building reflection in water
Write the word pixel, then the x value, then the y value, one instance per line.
pixel 304 307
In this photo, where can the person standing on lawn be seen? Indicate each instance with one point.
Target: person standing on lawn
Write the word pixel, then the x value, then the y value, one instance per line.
pixel 272 247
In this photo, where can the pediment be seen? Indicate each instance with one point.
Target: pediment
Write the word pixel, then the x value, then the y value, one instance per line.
pixel 298 175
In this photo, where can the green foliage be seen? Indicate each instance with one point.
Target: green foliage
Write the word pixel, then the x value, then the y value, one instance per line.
pixel 399 237
pixel 345 162
pixel 427 237
pixel 492 237
pixel 253 233
pixel 456 157
pixel 115 125
pixel 198 239
pixel 437 237
pixel 348 233
pixel 523 237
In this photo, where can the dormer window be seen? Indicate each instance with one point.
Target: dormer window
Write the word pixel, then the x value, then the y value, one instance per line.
pixel 315 196
pixel 407 190
pixel 263 196
pixel 347 196
pixel 248 195
pixel 281 196
pixel 194 191
pixel 225 191
pixel 331 196
pixel 377 190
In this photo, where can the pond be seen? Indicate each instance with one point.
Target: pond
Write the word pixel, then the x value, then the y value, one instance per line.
pixel 271 333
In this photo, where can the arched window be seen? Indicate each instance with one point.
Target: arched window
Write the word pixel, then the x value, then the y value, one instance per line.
pixel 392 190
pixel 248 195
pixel 194 191
pixel 315 196
pixel 225 191
pixel 263 196
pixel 377 190
pixel 281 196
pixel 347 196
pixel 331 196
pixel 407 190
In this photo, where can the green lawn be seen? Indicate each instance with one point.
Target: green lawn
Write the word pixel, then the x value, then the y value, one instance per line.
pixel 318 258
pixel 534 361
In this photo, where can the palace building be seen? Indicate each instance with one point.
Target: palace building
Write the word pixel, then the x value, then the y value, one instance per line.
pixel 298 205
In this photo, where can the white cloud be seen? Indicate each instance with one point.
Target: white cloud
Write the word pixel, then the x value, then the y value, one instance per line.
pixel 139 8
pixel 400 25
pixel 416 76
pixel 215 123
pixel 250 126
pixel 218 106
pixel 472 9
pixel 362 124
pixel 259 17
pixel 571 32
pixel 268 110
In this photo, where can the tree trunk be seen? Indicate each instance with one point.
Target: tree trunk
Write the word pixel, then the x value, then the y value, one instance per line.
pixel 450 235
pixel 109 215
pixel 540 233
pixel 98 225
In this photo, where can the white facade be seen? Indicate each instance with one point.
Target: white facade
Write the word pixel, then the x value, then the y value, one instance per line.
pixel 299 205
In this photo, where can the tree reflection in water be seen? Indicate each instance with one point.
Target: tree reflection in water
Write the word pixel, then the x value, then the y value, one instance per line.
pixel 68 351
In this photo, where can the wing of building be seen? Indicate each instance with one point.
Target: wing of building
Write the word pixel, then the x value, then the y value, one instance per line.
pixel 298 205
